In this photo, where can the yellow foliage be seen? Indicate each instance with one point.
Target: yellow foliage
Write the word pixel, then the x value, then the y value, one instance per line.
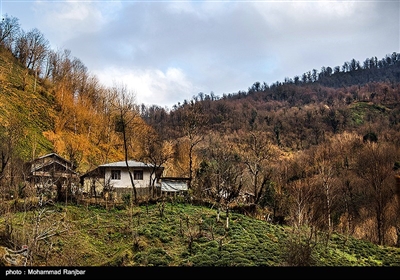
pixel 55 139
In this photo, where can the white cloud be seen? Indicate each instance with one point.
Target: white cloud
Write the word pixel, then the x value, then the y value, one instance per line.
pixel 64 20
pixel 150 86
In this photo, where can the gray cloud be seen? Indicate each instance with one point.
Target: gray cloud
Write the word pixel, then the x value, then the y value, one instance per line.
pixel 170 51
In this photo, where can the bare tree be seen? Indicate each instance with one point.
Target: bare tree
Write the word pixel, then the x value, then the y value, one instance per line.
pixel 301 191
pixel 155 152
pixel 5 154
pixel 257 154
pixel 127 119
pixel 324 165
pixel 45 224
pixel 10 172
pixel 346 146
pixel 375 166
pixel 301 198
pixel 32 48
pixel 223 173
pixel 9 28
pixel 193 129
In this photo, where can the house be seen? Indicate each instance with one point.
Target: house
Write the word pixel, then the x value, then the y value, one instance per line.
pixel 52 173
pixel 114 178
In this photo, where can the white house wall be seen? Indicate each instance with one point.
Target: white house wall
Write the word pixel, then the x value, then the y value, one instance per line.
pixel 125 181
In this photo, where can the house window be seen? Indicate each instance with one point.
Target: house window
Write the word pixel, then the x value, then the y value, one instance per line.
pixel 115 174
pixel 138 174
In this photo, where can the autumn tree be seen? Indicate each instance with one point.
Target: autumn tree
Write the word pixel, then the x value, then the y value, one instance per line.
pixel 301 200
pixel 84 125
pixel 349 196
pixel 300 189
pixel 375 166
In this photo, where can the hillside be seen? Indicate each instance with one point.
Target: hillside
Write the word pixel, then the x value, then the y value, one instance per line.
pixel 27 108
pixel 40 114
pixel 179 234
pixel 305 109
pixel 322 150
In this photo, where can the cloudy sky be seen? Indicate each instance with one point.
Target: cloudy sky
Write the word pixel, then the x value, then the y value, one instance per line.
pixel 169 51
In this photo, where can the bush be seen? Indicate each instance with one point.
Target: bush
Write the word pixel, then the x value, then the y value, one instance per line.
pixel 158 257
pixel 298 253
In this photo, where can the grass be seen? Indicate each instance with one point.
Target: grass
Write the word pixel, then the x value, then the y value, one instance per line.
pixel 183 235
pixel 24 109
pixel 364 111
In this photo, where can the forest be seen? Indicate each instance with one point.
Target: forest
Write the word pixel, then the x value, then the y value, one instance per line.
pixel 320 150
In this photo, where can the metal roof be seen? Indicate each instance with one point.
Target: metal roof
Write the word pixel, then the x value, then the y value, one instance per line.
pixel 52 155
pixel 99 170
pixel 131 163
pixel 173 186
pixel 37 168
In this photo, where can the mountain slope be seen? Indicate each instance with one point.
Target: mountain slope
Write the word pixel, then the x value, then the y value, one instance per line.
pixel 39 116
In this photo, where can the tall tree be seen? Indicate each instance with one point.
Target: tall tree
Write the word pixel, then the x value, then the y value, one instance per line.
pixel 9 29
pixel 326 176
pixel 11 135
pixel 127 120
pixel 31 49
pixel 222 172
pixel 257 152
pixel 155 152
pixel 193 130
pixel 5 151
pixel 375 166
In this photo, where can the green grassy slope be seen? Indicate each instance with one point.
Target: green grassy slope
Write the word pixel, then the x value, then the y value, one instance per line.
pixel 26 105
pixel 185 235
